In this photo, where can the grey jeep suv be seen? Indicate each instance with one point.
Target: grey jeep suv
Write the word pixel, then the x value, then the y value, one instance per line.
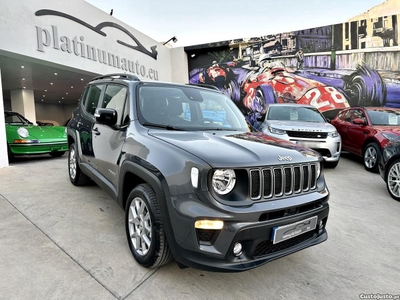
pixel 204 190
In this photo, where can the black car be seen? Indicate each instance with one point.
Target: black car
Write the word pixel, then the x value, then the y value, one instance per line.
pixel 209 193
pixel 389 168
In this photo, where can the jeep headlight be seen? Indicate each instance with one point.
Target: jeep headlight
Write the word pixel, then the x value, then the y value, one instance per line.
pixel 333 134
pixel 223 181
pixel 276 130
pixel 23 132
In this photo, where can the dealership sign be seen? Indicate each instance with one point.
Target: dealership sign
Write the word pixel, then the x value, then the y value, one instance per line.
pixel 76 45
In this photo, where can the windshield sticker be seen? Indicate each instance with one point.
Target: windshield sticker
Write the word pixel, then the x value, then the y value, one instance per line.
pixel 393 119
pixel 294 115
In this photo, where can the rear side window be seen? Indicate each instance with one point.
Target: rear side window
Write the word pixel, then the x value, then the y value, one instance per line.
pixel 348 116
pixel 114 97
pixel 92 98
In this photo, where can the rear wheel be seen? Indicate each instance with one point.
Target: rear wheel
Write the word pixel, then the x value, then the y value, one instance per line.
pixel 144 228
pixel 57 154
pixel 393 179
pixel 75 174
pixel 372 155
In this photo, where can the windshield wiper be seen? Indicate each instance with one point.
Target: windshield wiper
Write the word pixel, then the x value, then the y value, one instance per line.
pixel 168 127
pixel 219 129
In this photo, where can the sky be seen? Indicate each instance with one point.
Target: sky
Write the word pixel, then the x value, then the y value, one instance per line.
pixel 198 22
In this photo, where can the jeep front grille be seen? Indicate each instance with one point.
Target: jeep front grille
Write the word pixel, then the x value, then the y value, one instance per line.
pixel 283 180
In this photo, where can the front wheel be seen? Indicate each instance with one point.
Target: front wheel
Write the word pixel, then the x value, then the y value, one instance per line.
pixel 75 174
pixel 393 179
pixel 144 228
pixel 372 155
pixel 10 154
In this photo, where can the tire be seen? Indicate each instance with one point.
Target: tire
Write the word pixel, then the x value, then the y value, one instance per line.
pixel 57 154
pixel 259 103
pixel 147 229
pixel 393 174
pixel 75 174
pixel 365 87
pixel 371 157
pixel 331 164
pixel 11 157
pixel 232 91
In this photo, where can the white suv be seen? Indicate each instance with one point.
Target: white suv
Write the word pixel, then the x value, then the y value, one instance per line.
pixel 306 126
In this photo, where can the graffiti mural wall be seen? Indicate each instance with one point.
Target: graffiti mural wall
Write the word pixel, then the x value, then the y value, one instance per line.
pixel 331 67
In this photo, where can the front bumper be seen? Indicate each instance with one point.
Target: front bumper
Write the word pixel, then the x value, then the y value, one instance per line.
pixel 329 148
pixel 38 148
pixel 249 226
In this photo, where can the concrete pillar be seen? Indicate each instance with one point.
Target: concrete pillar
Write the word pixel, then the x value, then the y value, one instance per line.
pixel 3 138
pixel 23 102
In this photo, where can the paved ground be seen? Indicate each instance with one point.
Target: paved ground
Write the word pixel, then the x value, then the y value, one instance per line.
pixel 58 241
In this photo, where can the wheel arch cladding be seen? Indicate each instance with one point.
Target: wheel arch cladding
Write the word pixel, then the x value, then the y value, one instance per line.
pixel 133 174
pixel 369 141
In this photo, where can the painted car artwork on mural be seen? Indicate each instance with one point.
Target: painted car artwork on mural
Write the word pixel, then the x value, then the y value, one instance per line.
pixel 330 67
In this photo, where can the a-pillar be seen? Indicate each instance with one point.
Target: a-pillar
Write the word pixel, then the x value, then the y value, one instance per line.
pixel 23 102
pixel 3 138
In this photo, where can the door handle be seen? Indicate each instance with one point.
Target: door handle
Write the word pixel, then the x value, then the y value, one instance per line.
pixel 96 131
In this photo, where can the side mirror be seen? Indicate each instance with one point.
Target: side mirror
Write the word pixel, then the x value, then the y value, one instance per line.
pixel 358 121
pixel 106 116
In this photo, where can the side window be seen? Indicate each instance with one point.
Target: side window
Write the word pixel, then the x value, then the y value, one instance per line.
pixel 348 116
pixel 359 114
pixel 84 95
pixel 92 99
pixel 114 97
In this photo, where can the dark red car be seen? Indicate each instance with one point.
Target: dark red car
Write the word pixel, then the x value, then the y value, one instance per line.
pixel 366 130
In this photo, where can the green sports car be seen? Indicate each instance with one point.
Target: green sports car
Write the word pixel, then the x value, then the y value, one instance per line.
pixel 23 137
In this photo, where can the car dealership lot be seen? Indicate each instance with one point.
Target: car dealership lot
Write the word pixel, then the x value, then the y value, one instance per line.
pixel 58 241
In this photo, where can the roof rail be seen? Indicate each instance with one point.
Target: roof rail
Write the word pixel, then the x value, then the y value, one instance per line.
pixel 119 75
pixel 203 85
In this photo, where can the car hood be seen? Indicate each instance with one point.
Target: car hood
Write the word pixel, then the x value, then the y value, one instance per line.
pixel 41 133
pixel 300 126
pixel 392 129
pixel 231 149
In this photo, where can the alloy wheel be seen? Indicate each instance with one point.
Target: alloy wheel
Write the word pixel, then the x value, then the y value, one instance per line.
pixel 394 179
pixel 140 226
pixel 72 164
pixel 370 157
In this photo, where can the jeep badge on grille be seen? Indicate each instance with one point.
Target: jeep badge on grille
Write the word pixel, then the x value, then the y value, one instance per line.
pixel 284 158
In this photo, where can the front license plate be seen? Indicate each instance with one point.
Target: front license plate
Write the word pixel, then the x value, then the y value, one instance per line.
pixel 286 232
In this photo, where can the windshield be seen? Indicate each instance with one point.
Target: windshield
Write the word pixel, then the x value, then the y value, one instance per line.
pixel 186 108
pixel 389 117
pixel 15 118
pixel 295 113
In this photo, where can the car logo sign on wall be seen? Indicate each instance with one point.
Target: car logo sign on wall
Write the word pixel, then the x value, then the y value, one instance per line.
pixel 284 158
pixel 98 29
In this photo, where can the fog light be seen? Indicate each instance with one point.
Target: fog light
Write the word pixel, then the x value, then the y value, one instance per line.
pixel 208 224
pixel 238 249
pixel 321 224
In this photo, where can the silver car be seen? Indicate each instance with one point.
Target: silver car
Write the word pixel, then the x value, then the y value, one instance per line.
pixel 306 126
